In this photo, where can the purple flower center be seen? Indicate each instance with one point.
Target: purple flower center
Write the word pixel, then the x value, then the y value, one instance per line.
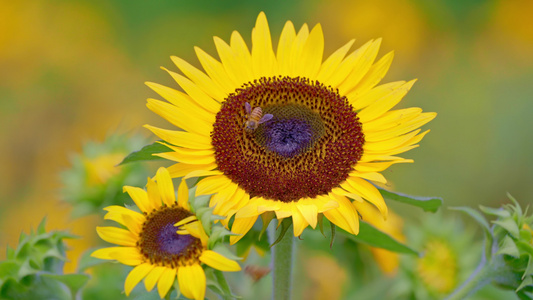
pixel 287 137
pixel 172 243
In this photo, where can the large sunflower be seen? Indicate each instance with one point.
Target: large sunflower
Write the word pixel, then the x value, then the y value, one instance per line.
pixel 164 241
pixel 331 132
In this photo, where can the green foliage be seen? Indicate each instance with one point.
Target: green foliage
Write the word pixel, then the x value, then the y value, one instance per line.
pixel 430 204
pixel 371 236
pixel 95 180
pixel 508 258
pixel 147 153
pixel 34 269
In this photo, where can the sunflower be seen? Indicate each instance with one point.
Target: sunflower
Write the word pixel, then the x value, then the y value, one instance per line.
pixel 284 131
pixel 164 241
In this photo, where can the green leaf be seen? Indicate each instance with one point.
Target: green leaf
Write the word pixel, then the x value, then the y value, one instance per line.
pixel 431 204
pixel 495 211
pixel 510 226
pixel 508 247
pixel 526 282
pixel 73 281
pixel 146 153
pixel 371 236
pixel 8 269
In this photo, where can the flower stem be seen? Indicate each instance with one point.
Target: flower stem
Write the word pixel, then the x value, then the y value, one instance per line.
pixel 282 265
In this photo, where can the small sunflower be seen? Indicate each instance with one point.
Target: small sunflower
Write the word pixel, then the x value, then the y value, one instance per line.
pixel 164 241
pixel 285 131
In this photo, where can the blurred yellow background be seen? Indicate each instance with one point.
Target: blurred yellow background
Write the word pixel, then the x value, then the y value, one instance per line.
pixel 72 71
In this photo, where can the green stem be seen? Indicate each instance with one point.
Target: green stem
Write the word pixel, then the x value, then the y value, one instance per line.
pixel 282 264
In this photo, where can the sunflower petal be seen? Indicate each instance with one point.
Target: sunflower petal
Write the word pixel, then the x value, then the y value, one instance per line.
pixel 117 236
pixel 165 281
pixel 200 79
pixel 184 119
pixel 332 62
pixel 183 195
pixel 153 277
pixel 192 281
pixel 136 275
pixel 313 51
pixel 182 169
pixel 166 187
pixel 182 138
pixel 241 226
pixel 212 184
pixel 138 196
pixel 298 221
pixel 263 59
pixel 219 262
pixel 384 104
pixel 117 213
pixel 125 255
pixel 216 71
pixel 288 34
pixel 309 212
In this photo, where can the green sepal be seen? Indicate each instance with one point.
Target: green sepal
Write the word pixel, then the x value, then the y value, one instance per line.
pixel 508 247
pixel 266 218
pixel 218 233
pixel 333 231
pixel 431 204
pixel 285 225
pixel 371 236
pixel 525 282
pixel 529 268
pixel 320 222
pixel 146 153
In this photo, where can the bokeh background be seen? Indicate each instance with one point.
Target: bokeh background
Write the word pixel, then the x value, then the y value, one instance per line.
pixel 73 71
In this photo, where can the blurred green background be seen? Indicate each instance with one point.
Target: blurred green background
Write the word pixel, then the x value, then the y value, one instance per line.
pixel 72 71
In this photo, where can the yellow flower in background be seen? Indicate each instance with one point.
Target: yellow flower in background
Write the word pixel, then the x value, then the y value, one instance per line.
pixel 285 131
pixel 388 261
pixel 163 242
pixel 438 267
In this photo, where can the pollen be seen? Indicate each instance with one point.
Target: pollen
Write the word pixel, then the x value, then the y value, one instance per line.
pixel 161 245
pixel 311 144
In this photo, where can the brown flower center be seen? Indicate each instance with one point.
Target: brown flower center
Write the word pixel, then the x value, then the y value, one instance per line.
pixel 161 245
pixel 309 146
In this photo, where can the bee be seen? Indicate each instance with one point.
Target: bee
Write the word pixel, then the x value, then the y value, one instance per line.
pixel 254 117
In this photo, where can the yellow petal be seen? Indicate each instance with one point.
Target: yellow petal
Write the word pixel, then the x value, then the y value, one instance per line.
pixel 346 66
pixel 182 101
pixel 332 62
pixel 182 169
pixel 288 34
pixel 219 262
pixel 182 138
pixel 202 173
pixel 203 100
pixel 135 276
pixel 309 212
pixel 189 156
pixel 372 176
pixel 212 184
pixel 297 50
pixel 166 187
pixel 378 166
pixel 361 67
pixel 229 61
pixel 345 216
pixel 384 104
pixel 138 196
pixel 165 281
pixel 182 118
pixel 298 222
pixel 313 50
pixel 125 255
pixel 152 277
pixel 154 198
pixel 241 226
pixel 373 76
pixel 117 213
pixel 117 236
pixel 242 55
pixel 263 59
pixel 192 281
pixel 391 119
pixel 200 79
pixel 216 71
pixel 183 195
pixel 106 253
pixel 366 190
pixel 403 127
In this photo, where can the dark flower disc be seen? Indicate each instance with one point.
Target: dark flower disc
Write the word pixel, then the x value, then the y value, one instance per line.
pixel 310 145
pixel 160 243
